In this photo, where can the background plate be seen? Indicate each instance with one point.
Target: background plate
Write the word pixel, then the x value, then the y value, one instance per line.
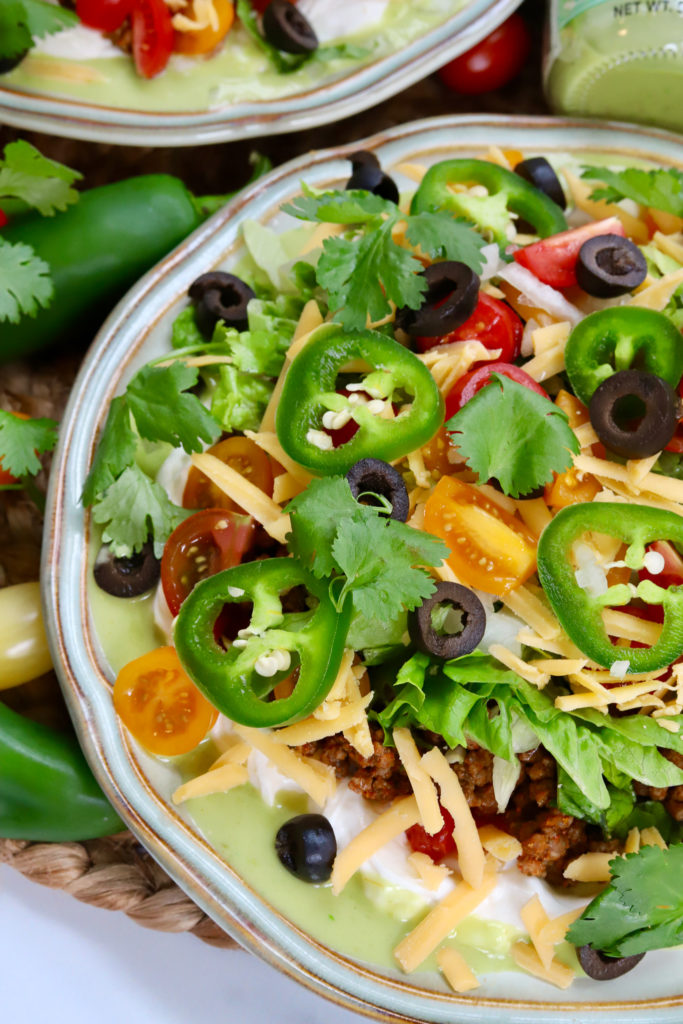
pixel 136 331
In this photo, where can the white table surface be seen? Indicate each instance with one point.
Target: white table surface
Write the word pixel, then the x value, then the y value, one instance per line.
pixel 62 962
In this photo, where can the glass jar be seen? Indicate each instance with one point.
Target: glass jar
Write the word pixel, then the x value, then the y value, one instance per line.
pixel 622 60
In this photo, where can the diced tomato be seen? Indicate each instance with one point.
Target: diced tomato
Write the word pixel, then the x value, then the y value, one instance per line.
pixel 490 549
pixel 152 36
pixel 202 545
pixel 437 846
pixel 493 323
pixel 104 15
pixel 474 380
pixel 553 260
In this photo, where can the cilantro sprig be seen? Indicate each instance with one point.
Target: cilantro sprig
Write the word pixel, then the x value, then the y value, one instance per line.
pixel 375 559
pixel 157 407
pixel 29 180
pixel 365 269
pixel 22 20
pixel 642 907
pixel 508 432
pixel 661 189
pixel 21 442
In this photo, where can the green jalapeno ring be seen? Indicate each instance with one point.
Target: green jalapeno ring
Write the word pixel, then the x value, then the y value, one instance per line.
pixel 309 392
pixel 580 615
pixel 228 678
pixel 622 338
pixel 508 193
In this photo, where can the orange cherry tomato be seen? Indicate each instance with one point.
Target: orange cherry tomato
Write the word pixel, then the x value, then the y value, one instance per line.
pixel 6 478
pixel 567 489
pixel 435 454
pixel 245 457
pixel 205 39
pixel 577 412
pixel 202 545
pixel 158 702
pixel 490 549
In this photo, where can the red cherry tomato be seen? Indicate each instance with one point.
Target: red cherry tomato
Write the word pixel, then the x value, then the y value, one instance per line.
pixel 152 36
pixel 437 846
pixel 492 62
pixel 553 260
pixel 104 15
pixel 672 573
pixel 3 219
pixel 473 381
pixel 204 544
pixel 493 323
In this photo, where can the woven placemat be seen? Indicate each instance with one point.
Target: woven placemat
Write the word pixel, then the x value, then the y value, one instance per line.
pixel 117 873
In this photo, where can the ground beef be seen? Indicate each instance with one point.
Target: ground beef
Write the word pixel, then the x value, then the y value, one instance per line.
pixel 672 798
pixel 549 838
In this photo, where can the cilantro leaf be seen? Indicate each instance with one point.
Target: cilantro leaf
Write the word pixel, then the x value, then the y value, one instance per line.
pixel 661 188
pixel 15 35
pixel 446 238
pixel 163 411
pixel 115 452
pixel 39 182
pixel 334 535
pixel 43 19
pixel 134 507
pixel 354 206
pixel 642 907
pixel 25 282
pixel 509 432
pixel 22 441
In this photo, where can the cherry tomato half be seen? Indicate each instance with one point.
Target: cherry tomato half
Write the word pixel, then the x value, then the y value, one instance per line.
pixel 490 549
pixel 158 702
pixel 245 457
pixel 152 36
pixel 3 219
pixel 492 62
pixel 474 380
pixel 6 478
pixel 206 39
pixel 493 323
pixel 438 846
pixel 553 260
pixel 104 15
pixel 202 545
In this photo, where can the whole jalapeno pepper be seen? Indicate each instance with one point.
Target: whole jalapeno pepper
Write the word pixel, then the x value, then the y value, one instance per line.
pixel 239 679
pixel 579 612
pixel 507 193
pixel 309 393
pixel 96 250
pixel 47 791
pixel 619 339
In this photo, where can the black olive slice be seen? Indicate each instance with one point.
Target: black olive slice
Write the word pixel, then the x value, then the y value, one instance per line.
pixel 604 968
pixel 286 28
pixel 454 645
pixel 376 477
pixel 127 577
pixel 539 173
pixel 220 296
pixel 610 265
pixel 367 174
pixel 635 414
pixel 451 298
pixel 307 846
pixel 8 64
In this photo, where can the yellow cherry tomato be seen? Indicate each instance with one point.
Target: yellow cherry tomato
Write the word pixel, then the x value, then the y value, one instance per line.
pixel 204 40
pixel 24 653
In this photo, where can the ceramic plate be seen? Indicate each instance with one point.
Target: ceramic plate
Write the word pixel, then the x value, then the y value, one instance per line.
pixel 137 331
pixel 106 102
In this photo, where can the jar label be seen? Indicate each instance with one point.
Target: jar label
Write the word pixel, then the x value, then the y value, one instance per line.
pixel 566 11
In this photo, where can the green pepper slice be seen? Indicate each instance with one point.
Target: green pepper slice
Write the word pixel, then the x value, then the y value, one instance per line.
pixel 310 641
pixel 579 613
pixel 622 338
pixel 508 193
pixel 309 392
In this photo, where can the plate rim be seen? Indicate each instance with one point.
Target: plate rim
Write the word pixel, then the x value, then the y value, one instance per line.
pixel 65 609
pixel 363 87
